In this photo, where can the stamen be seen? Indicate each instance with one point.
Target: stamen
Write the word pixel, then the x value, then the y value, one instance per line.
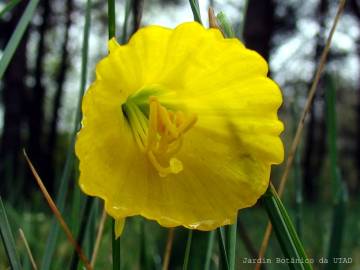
pixel 164 116
pixel 161 136
pixel 187 124
pixel 175 165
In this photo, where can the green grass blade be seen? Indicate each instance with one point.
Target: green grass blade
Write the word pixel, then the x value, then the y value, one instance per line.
pixel 17 35
pixel 242 25
pixel 115 249
pixel 330 99
pixel 339 189
pixel 209 251
pixel 284 230
pixel 231 244
pixel 111 19
pixel 83 228
pixel 64 182
pixel 8 239
pixel 298 194
pixel 126 21
pixel 9 6
pixel 195 10
pixel 297 175
pixel 337 229
pixel 222 248
pixel 187 250
pixel 225 25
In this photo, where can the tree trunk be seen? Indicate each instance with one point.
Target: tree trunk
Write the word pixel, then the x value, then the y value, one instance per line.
pixel 259 26
pixel 36 105
pixel 355 9
pixel 60 80
pixel 13 95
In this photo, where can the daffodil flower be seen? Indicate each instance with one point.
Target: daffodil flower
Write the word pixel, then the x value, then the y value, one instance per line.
pixel 180 126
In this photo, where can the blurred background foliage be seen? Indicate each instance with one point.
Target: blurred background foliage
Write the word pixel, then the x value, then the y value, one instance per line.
pixel 39 92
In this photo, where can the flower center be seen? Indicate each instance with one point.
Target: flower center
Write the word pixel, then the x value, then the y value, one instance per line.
pixel 158 132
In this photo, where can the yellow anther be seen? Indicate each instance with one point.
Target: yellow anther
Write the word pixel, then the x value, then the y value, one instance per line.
pixel 187 124
pixel 165 118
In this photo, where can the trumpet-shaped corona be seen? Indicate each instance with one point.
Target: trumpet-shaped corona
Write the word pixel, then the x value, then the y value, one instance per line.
pixel 180 126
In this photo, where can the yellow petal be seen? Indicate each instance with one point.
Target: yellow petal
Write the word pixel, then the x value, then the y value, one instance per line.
pixel 225 157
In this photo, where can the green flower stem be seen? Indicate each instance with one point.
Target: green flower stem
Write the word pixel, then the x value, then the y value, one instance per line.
pixel 115 248
pixel 222 248
pixel 195 10
pixel 187 250
pixel 231 244
pixel 339 191
pixel 111 19
pixel 285 231
pixel 209 250
pixel 17 35
pixel 126 19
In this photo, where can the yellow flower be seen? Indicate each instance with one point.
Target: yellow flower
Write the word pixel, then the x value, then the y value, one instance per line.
pixel 180 126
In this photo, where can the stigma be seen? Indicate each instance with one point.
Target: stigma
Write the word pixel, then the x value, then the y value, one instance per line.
pixel 159 133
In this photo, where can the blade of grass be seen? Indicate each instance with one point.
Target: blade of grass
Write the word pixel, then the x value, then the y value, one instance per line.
pixel 28 250
pixel 126 20
pixel 245 239
pixel 212 19
pixel 168 248
pixel 64 182
pixel 8 239
pixel 209 251
pixel 301 125
pixel 231 235
pixel 330 99
pixel 194 4
pixel 84 223
pixel 76 203
pixel 298 194
pixel 297 177
pixel 337 228
pixel 222 248
pixel 187 250
pixel 339 192
pixel 242 25
pixel 90 233
pixel 225 25
pixel 285 231
pixel 57 214
pixel 111 19
pixel 8 7
pixel 115 249
pixel 98 237
pixel 17 35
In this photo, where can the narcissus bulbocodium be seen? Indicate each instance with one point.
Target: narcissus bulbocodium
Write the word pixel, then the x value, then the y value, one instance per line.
pixel 180 126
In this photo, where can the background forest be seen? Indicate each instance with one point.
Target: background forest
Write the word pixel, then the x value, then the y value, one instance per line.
pixel 38 110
